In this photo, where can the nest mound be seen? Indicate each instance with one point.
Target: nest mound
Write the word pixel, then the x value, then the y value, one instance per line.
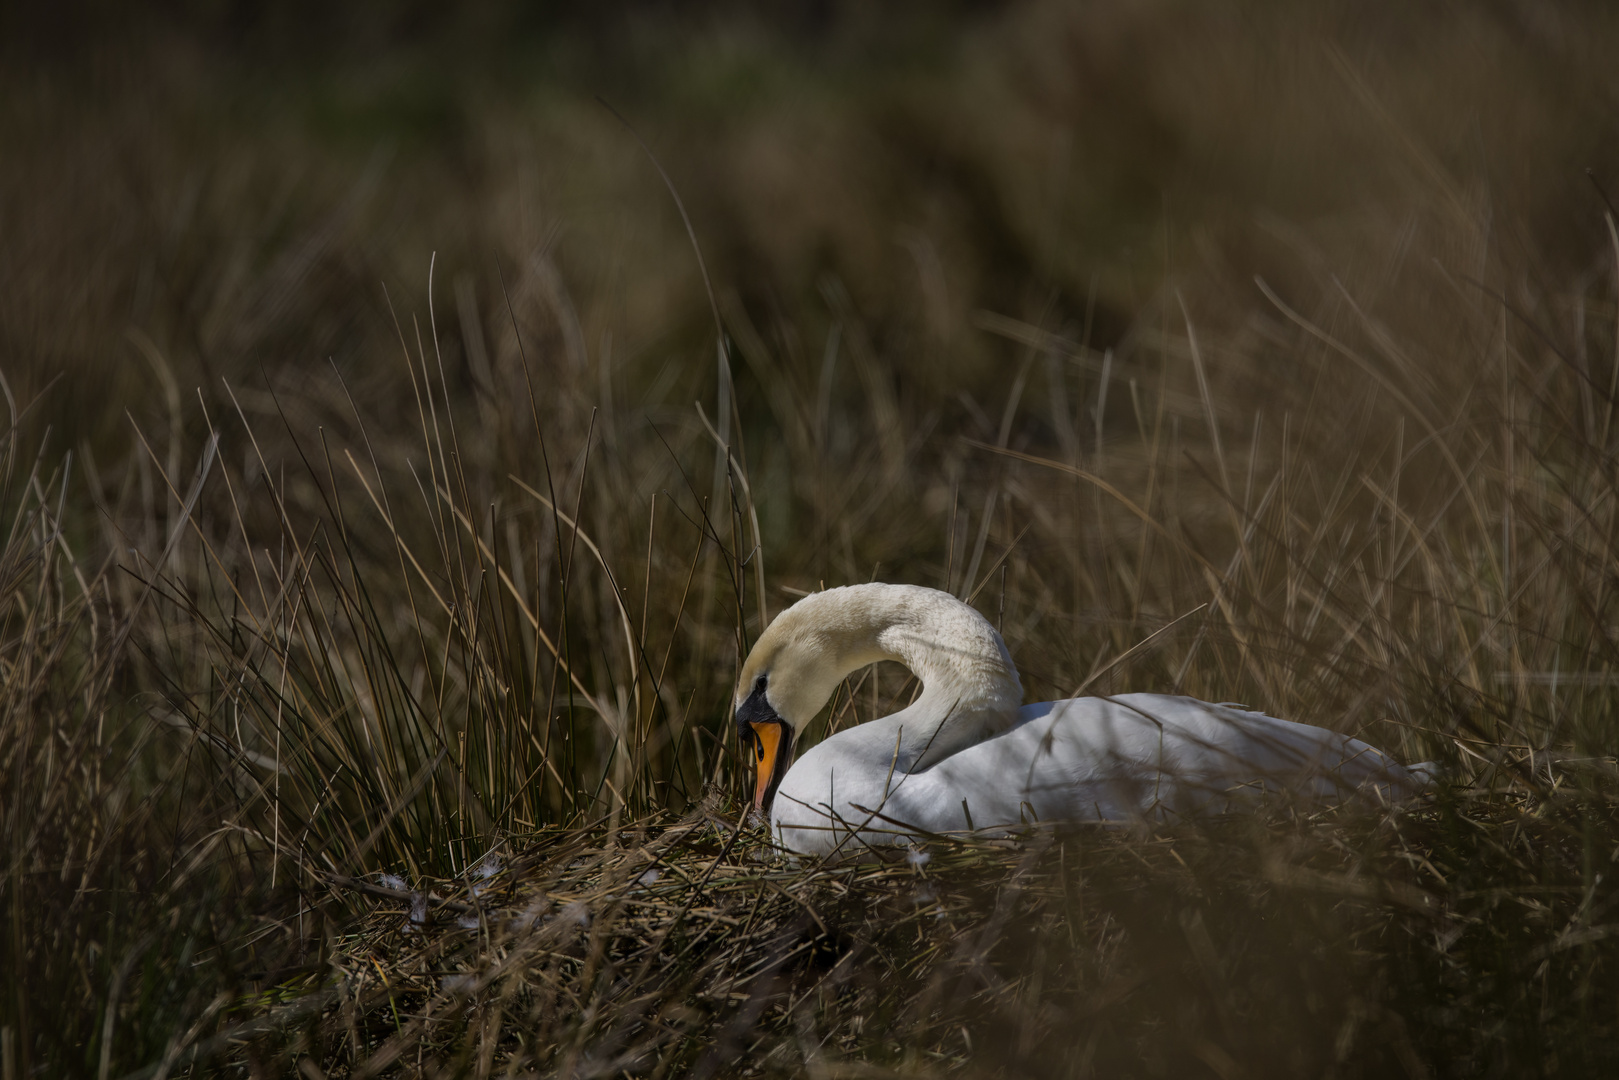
pixel 690 947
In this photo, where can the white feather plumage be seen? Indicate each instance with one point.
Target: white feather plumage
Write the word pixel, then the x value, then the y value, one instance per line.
pixel 965 755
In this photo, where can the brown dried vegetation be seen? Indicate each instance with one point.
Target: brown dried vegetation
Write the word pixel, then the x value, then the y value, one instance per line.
pixel 365 653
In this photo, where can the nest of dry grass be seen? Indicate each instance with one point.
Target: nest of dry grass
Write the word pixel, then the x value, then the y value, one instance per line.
pixel 1333 943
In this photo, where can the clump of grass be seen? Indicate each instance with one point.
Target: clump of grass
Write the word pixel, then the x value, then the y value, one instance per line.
pixel 111 890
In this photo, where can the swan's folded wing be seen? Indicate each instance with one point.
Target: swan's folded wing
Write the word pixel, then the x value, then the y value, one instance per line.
pixel 1111 759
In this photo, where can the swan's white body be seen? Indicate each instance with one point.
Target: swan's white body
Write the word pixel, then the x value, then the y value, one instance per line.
pixel 965 755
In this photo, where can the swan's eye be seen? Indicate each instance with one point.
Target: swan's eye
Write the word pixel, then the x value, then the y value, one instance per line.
pixel 759 687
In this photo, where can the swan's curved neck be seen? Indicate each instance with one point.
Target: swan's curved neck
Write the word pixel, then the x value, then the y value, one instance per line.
pixel 971 689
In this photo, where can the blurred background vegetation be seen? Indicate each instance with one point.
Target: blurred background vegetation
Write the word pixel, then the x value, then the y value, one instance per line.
pixel 1301 316
pixel 237 181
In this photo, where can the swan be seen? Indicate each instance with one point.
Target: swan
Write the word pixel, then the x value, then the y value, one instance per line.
pixel 968 755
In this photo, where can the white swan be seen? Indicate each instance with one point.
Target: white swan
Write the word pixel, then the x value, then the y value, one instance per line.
pixel 967 754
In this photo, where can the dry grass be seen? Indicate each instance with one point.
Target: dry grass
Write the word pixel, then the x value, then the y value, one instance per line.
pixel 1298 945
pixel 371 715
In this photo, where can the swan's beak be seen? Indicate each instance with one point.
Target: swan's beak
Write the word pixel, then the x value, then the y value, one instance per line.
pixel 770 738
pixel 774 743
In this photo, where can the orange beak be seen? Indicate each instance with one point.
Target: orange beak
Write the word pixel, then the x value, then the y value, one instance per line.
pixel 769 739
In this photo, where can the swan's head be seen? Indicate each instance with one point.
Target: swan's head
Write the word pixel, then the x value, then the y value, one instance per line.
pixel 798 661
pixel 806 652
pixel 781 689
